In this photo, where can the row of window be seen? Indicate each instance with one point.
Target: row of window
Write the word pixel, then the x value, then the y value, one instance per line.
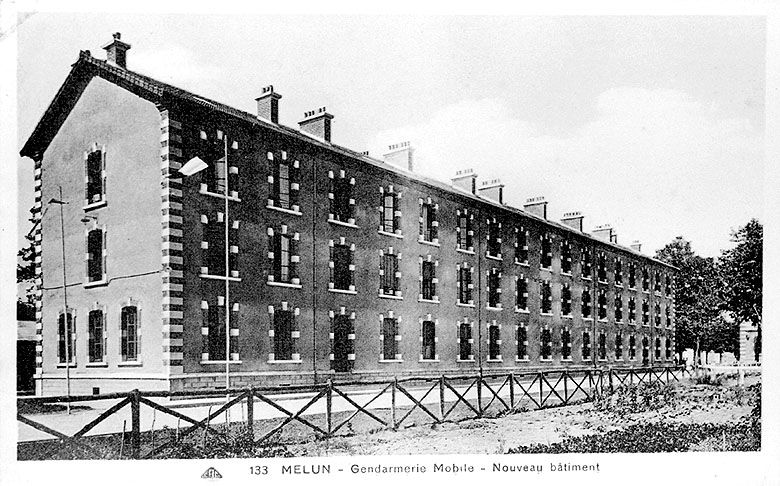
pixel 97 336
pixel 284 335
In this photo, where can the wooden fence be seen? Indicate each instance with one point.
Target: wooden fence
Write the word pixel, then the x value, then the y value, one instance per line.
pixel 495 393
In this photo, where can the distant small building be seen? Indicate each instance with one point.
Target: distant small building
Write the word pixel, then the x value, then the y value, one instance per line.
pixel 748 333
pixel 25 348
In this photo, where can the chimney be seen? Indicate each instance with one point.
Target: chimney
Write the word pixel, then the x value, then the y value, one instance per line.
pixel 636 246
pixel 536 205
pixel 493 190
pixel 117 51
pixel 573 220
pixel 268 104
pixel 466 179
pixel 317 124
pixel 400 155
pixel 603 232
pixel 613 238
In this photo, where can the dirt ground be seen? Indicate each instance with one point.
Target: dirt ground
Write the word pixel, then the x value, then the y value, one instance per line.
pixel 691 403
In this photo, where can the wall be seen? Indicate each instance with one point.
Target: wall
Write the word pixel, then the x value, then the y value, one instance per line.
pixel 128 127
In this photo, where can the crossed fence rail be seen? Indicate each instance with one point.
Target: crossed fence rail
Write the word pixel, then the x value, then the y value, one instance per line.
pixel 498 393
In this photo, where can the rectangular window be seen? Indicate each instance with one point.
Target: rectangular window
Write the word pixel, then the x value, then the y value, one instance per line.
pixel 493 239
pixel 566 300
pixel 65 336
pixel 602 346
pixel 283 185
pixel 668 349
pixel 632 275
pixel 95 176
pixel 428 280
pixel 546 345
pixel 522 342
pixel 428 340
pixel 645 313
pixel 602 305
pixel 657 315
pixel 668 286
pixel 546 252
pixel 521 246
pixel 341 202
pixel 565 344
pixel 587 263
pixel 388 213
pixel 342 260
pixel 389 344
pixel 631 310
pixel 522 293
pixel 602 267
pixel 657 348
pixel 464 286
pixel 668 316
pixel 283 340
pixel 632 347
pixel 645 280
pixel 389 282
pixel 546 295
pixel 217 337
pixel 494 342
pixel 618 346
pixel 586 307
pixel 618 308
pixel 618 272
pixel 494 289
pixel 95 269
pixel 96 342
pixel 465 232
pixel 566 257
pixel 465 345
pixel 281 265
pixel 129 333
pixel 657 282
pixel 585 345
pixel 428 225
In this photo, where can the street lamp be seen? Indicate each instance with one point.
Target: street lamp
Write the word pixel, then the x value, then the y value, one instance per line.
pixel 68 336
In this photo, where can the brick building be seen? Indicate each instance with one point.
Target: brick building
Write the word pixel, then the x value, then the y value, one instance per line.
pixel 327 263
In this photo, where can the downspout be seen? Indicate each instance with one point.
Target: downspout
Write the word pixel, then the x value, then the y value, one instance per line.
pixel 314 270
pixel 479 289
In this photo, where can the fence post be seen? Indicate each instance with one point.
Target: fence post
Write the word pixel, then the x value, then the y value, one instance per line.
pixel 479 393
pixel 441 397
pixel 250 412
pixel 392 402
pixel 329 407
pixel 565 388
pixel 135 419
pixel 611 386
pixel 541 389
pixel 512 390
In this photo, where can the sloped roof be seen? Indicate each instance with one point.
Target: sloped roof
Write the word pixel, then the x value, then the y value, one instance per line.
pixel 86 67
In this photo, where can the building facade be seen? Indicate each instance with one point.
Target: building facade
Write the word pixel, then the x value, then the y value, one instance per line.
pixel 289 259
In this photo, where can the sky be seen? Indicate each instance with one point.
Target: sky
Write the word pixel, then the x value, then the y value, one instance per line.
pixel 654 125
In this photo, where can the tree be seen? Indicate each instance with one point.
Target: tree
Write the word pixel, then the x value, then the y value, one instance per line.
pixel 741 272
pixel 25 267
pixel 696 299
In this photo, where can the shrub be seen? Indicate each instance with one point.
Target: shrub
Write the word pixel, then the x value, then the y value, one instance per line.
pixel 629 398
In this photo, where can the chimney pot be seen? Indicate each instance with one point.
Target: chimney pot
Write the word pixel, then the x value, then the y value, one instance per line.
pixel 400 155
pixel 573 219
pixel 636 246
pixel 537 206
pixel 268 104
pixel 116 51
pixel 317 123
pixel 466 179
